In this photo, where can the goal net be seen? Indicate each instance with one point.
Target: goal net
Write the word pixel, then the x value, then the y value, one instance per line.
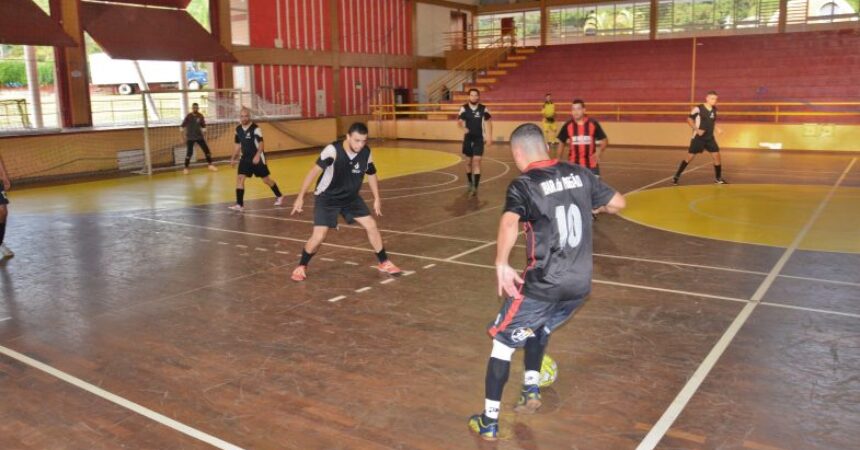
pixel 164 143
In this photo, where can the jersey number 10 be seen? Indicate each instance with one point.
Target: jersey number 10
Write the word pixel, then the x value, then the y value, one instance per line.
pixel 569 225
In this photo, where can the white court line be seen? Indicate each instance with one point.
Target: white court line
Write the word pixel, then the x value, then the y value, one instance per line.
pixel 408 272
pixel 350 263
pixel 364 289
pixel 223 243
pixel 337 299
pixel 261 249
pixel 282 252
pixel 327 259
pixel 655 435
pixel 122 402
pixel 439 260
pixel 410 233
pixel 816 310
pixel 473 250
pixel 429 266
pixel 663 180
pixel 390 280
pixel 3 319
pixel 241 246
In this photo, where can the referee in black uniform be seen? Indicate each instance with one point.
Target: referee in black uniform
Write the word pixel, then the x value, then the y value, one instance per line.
pixel 252 160
pixel 474 120
pixel 703 120
pixel 340 172
pixel 553 201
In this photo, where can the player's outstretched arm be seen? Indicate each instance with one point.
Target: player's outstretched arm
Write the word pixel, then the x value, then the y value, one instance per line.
pixel 299 203
pixel 616 204
pixel 506 275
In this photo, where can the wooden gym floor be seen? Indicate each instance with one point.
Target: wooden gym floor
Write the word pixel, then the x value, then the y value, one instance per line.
pixel 721 316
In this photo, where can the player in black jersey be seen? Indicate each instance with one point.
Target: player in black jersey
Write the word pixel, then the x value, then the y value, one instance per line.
pixel 703 120
pixel 474 120
pixel 252 159
pixel 339 172
pixel 4 250
pixel 554 201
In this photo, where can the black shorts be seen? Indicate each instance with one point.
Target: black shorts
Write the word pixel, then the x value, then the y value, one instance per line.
pixel 519 319
pixel 473 146
pixel 249 169
pixel 327 210
pixel 4 200
pixel 697 144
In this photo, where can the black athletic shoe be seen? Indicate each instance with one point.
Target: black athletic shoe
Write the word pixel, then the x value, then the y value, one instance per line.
pixel 675 181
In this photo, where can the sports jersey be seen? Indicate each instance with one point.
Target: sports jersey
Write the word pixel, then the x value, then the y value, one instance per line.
pixel 250 139
pixel 194 124
pixel 584 140
pixel 554 201
pixel 474 118
pixel 705 120
pixel 343 172
pixel 548 111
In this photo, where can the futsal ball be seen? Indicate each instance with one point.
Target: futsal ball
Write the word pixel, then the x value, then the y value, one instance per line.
pixel 548 371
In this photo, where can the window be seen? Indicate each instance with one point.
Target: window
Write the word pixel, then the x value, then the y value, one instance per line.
pixel 803 12
pixel 695 16
pixel 239 22
pixel 630 20
pixel 526 28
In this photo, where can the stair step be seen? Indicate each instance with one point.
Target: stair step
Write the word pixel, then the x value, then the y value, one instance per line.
pixel 508 65
pixel 524 51
pixel 497 72
pixel 479 87
pixel 486 80
pixel 516 58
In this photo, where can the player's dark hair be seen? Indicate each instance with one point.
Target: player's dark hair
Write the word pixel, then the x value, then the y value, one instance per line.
pixel 528 136
pixel 194 104
pixel 580 102
pixel 358 127
pixel 712 93
pixel 475 90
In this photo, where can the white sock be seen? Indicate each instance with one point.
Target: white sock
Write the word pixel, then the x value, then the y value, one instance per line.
pixel 532 378
pixel 491 408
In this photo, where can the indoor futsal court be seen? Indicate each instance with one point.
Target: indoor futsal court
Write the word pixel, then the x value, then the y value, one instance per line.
pixel 140 311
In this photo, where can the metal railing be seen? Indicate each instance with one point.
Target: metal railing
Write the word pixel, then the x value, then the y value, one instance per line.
pixel 465 71
pixel 477 39
pixel 620 111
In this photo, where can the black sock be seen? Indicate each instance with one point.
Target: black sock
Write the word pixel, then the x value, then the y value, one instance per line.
pixel 534 349
pixel 477 178
pixel 306 258
pixel 240 197
pixel 681 168
pixel 276 190
pixel 718 171
pixel 208 158
pixel 469 177
pixel 2 231
pixel 382 256
pixel 497 375
pixel 187 162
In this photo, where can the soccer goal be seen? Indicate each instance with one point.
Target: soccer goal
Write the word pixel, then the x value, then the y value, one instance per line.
pixel 164 141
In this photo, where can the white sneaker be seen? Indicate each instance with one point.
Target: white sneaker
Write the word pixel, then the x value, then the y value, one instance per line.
pixel 279 201
pixel 238 208
pixel 5 252
pixel 213 168
pixel 185 171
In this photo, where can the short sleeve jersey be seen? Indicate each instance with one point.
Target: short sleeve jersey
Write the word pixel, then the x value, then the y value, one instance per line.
pixel 343 172
pixel 583 141
pixel 249 138
pixel 474 119
pixel 705 120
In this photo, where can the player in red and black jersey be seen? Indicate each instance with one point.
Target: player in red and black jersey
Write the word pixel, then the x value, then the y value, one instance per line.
pixel 584 139
pixel 554 201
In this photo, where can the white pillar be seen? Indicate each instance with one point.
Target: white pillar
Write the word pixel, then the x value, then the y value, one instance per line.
pixel 183 85
pixel 33 85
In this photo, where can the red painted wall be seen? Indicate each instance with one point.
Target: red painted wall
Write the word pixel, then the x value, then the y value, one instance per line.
pixel 304 24
pixel 295 84
pixel 358 101
pixel 376 26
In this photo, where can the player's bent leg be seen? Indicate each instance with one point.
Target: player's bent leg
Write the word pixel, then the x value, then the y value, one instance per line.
pixel 279 198
pixel 308 251
pixel 530 398
pixel 486 425
pixel 5 252
pixel 476 173
pixel 375 238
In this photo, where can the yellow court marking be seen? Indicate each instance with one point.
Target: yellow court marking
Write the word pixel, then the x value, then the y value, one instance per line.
pixel 764 214
pixel 201 187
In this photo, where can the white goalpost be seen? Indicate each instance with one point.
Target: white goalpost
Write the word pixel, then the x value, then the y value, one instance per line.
pixel 164 145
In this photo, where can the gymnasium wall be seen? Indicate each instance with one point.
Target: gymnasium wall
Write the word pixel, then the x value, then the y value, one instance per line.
pixel 53 156
pixel 812 137
pixel 380 27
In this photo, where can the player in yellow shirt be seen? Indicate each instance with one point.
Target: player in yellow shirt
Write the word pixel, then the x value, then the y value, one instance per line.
pixel 550 130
